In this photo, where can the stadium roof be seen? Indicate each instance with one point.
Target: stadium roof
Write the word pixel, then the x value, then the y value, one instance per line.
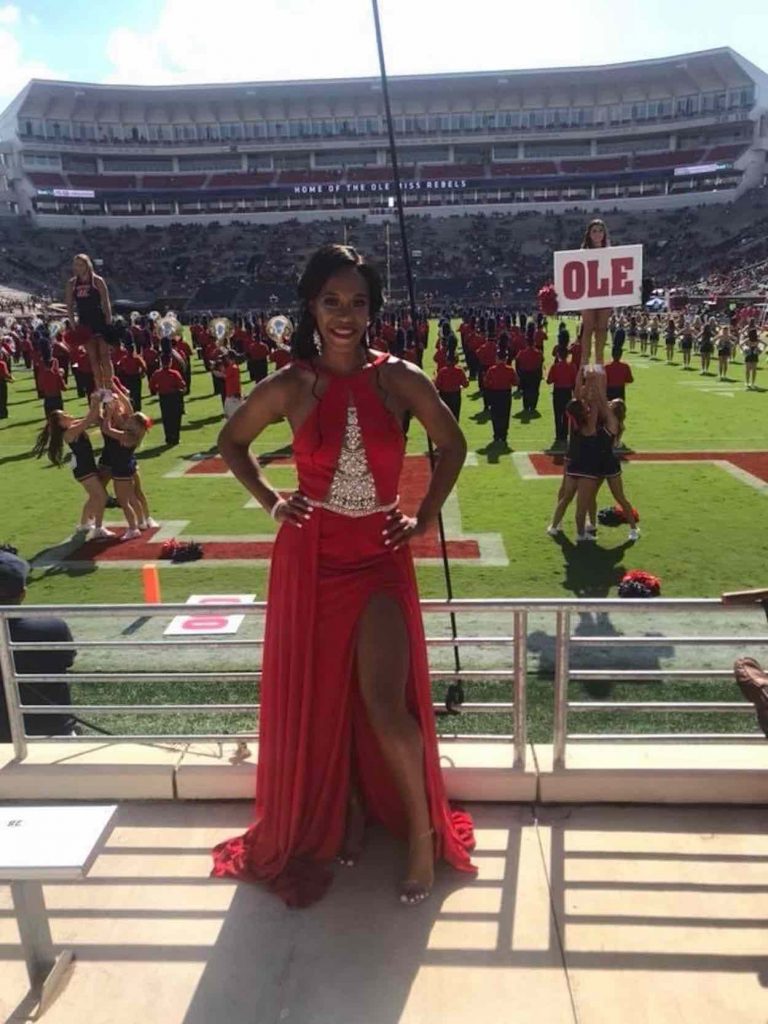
pixel 699 71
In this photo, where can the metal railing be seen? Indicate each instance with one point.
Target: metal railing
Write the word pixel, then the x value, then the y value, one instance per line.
pixel 514 670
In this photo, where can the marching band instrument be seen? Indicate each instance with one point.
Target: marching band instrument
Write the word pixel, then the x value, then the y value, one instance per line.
pixel 221 329
pixel 280 330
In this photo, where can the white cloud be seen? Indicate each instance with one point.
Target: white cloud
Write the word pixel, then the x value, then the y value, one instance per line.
pixel 231 40
pixel 9 14
pixel 15 68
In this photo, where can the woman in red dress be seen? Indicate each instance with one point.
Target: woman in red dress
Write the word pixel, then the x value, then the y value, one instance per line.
pixel 347 729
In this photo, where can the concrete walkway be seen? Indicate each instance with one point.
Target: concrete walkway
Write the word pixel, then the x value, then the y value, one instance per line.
pixel 591 914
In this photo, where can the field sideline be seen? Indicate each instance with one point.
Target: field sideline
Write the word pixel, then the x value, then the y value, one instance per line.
pixel 703 521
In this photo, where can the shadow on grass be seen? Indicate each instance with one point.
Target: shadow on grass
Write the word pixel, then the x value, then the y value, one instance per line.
pixel 494 451
pixel 19 457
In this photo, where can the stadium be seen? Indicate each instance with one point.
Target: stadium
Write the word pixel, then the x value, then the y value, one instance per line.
pixel 557 686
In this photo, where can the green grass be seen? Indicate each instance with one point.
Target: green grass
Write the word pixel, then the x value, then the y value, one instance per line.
pixel 703 533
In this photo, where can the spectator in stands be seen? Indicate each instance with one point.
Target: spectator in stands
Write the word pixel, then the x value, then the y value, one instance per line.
pixel 595 321
pixel 14 572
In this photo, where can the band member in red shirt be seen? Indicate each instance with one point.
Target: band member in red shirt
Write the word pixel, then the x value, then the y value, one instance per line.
pixel 169 386
pixel 280 357
pixel 60 352
pixel 486 356
pixel 529 364
pixel 499 381
pixel 229 372
pixel 617 375
pixel 6 378
pixel 130 370
pixel 449 382
pixel 562 375
pixel 50 381
pixel 257 354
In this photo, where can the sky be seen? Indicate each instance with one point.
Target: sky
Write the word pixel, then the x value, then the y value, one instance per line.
pixel 147 42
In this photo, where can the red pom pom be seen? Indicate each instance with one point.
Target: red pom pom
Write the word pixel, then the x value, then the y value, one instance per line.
pixel 640 576
pixel 548 303
pixel 620 513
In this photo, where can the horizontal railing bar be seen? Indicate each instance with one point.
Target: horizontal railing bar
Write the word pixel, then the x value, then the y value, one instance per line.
pixel 661 737
pixel 236 737
pixel 215 677
pixel 629 674
pixel 428 607
pixel 149 709
pixel 639 641
pixel 659 705
pixel 213 737
pixel 81 645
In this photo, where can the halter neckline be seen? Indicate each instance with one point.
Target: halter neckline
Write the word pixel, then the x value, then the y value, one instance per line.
pixel 377 361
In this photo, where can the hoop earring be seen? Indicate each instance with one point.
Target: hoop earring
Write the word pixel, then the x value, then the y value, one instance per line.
pixel 317 341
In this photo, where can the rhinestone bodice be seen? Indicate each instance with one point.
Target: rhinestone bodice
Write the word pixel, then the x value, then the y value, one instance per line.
pixel 349 452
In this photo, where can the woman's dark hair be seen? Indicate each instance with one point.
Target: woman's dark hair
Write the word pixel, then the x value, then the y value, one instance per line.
pixel 50 440
pixel 327 261
pixel 586 242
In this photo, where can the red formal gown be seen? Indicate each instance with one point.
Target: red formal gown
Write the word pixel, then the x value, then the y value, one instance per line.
pixel 313 725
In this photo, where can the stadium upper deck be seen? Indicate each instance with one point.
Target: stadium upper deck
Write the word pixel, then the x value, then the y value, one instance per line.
pixel 654 130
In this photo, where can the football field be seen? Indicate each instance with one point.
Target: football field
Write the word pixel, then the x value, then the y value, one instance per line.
pixel 697 471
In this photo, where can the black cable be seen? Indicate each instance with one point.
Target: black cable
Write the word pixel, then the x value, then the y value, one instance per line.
pixel 412 302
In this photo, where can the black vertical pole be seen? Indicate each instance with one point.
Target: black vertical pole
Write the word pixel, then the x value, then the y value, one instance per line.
pixel 411 295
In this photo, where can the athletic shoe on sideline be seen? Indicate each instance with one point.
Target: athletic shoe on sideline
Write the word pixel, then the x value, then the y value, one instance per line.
pixel 582 537
pixel 102 533
pixel 150 523
pixel 554 531
pixel 634 533
pixel 131 534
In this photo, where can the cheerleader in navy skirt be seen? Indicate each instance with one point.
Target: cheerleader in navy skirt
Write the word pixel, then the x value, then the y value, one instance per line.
pixel 669 340
pixel 62 429
pixel 87 292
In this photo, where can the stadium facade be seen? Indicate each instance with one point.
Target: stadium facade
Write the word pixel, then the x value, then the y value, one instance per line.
pixel 674 131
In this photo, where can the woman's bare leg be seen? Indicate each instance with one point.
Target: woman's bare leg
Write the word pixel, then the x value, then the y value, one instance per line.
pixel 383 662
pixel 585 495
pixel 125 495
pixel 617 490
pixel 602 316
pixel 588 328
pixel 564 499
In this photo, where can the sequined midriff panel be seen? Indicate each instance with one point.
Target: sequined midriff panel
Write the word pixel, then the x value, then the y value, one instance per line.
pixel 353 489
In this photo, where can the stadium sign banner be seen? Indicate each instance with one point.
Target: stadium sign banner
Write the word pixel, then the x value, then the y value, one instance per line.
pixel 598 278
pixel 363 187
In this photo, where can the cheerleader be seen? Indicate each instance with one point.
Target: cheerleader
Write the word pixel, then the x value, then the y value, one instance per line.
pixel 686 345
pixel 724 351
pixel 653 337
pixel 669 340
pixel 87 292
pixel 60 429
pixel 611 465
pixel 632 331
pixel 596 461
pixel 122 459
pixel 643 334
pixel 707 345
pixel 752 350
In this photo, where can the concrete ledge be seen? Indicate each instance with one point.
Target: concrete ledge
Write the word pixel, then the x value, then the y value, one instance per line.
pixel 667 773
pixel 705 773
pixel 98 771
pixel 472 771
